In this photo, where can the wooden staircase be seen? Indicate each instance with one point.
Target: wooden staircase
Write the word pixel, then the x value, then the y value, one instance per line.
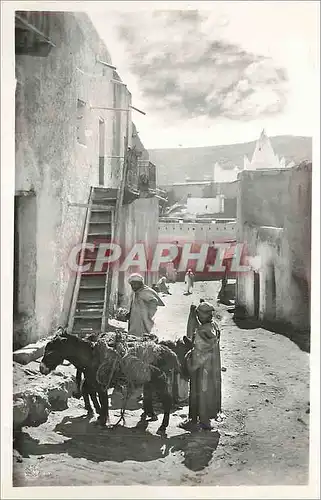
pixel 89 309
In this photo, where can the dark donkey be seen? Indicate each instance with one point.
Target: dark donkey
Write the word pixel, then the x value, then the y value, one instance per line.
pixel 180 347
pixel 81 354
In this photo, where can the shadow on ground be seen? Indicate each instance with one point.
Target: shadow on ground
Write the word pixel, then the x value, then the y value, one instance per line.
pixel 301 339
pixel 85 440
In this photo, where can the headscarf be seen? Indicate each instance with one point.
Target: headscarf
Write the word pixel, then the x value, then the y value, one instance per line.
pixel 135 277
pixel 205 307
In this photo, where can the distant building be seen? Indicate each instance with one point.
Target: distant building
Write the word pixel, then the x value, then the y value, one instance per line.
pixel 205 206
pixel 224 175
pixel 182 190
pixel 224 182
pixel 264 156
pixel 197 230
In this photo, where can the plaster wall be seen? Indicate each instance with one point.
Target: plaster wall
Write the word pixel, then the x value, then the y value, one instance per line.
pixel 52 163
pixel 282 249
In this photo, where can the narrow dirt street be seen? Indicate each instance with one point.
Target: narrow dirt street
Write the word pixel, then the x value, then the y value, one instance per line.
pixel 262 439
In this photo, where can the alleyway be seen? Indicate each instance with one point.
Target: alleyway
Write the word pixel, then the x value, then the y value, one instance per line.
pixel 263 438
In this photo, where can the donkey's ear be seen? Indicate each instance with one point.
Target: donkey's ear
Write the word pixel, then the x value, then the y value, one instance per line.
pixel 62 332
pixel 187 341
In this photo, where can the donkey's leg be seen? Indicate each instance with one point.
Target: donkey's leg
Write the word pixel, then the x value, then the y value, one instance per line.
pixel 175 394
pixel 164 395
pixel 85 393
pixel 95 401
pixel 77 392
pixel 104 412
pixel 148 410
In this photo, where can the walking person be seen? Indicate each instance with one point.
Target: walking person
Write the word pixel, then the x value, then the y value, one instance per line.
pixel 189 281
pixel 204 366
pixel 144 303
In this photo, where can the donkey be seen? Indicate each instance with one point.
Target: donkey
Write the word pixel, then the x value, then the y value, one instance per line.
pixel 180 347
pixel 80 353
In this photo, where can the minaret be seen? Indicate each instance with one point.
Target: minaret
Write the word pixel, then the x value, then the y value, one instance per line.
pixel 263 156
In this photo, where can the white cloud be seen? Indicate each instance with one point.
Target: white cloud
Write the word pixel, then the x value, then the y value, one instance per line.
pixel 285 32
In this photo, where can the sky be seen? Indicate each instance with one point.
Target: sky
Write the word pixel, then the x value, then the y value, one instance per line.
pixel 215 73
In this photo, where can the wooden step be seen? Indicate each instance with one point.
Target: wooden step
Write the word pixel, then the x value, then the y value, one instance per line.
pixel 99 223
pixel 89 314
pixel 105 193
pixel 100 234
pixel 91 293
pixel 93 254
pixel 93 280
pixel 98 216
pixel 92 287
pixel 102 208
pixel 108 202
pixel 93 261
pixel 99 238
pixel 91 272
pixel 103 267
pixel 89 303
pixel 101 227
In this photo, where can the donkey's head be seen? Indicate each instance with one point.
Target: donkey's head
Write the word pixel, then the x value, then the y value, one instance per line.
pixel 55 351
pixel 180 348
pixel 65 346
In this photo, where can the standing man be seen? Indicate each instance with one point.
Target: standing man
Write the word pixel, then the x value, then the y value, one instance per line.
pixel 221 294
pixel 189 281
pixel 204 365
pixel 143 306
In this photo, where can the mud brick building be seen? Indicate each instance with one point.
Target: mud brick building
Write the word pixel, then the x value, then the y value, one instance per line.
pixel 79 170
pixel 274 220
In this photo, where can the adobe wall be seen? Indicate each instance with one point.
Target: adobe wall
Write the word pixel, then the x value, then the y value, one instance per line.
pixel 197 231
pixel 51 162
pixel 278 237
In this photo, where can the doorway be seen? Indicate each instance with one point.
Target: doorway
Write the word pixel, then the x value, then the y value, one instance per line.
pixel 256 291
pixel 25 253
pixel 273 293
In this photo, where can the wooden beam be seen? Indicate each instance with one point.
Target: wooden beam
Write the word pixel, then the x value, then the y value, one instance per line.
pixel 32 28
pixel 92 206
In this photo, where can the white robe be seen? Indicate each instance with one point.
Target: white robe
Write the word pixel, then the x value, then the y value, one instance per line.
pixel 189 280
pixel 143 307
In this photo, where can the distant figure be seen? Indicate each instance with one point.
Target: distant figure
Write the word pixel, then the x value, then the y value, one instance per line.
pixel 221 294
pixel 204 365
pixel 171 272
pixel 189 281
pixel 143 306
pixel 162 287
